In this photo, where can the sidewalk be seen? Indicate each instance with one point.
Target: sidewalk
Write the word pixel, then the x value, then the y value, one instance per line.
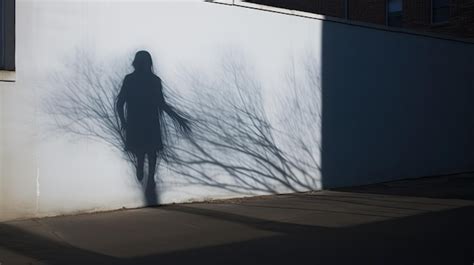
pixel 423 221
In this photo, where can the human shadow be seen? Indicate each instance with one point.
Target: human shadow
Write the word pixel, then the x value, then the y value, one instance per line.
pixel 140 106
pixel 95 101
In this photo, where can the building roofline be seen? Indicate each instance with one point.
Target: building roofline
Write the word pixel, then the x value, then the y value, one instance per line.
pixel 240 3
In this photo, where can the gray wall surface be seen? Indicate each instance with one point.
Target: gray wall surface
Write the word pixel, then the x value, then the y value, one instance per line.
pixel 395 105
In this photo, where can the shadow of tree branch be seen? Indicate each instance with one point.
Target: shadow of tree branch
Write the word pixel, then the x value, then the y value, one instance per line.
pixel 234 144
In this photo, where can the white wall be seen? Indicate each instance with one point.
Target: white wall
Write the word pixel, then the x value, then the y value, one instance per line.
pixel 48 171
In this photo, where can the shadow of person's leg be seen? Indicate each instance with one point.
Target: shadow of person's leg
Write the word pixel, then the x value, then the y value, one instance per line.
pixel 140 165
pixel 151 165
pixel 150 192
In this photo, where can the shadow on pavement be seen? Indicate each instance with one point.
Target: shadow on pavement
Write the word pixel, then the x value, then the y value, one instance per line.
pixel 456 186
pixel 42 250
pixel 434 238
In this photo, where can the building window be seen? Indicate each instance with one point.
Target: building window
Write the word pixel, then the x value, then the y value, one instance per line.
pixel 440 11
pixel 394 13
pixel 7 35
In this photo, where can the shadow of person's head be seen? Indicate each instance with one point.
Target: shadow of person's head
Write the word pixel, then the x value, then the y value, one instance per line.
pixel 143 62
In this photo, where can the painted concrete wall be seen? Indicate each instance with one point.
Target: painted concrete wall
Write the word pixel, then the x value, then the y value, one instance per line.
pixel 395 105
pixel 49 169
pixel 259 81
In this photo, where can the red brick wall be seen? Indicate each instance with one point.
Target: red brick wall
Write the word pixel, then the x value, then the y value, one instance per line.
pixel 333 8
pixel 301 5
pixel 371 11
pixel 416 13
pixel 468 18
pixel 462 18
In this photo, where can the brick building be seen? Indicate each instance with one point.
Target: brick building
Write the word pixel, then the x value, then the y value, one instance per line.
pixel 449 17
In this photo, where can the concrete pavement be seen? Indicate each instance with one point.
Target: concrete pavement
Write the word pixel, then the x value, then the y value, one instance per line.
pixel 423 221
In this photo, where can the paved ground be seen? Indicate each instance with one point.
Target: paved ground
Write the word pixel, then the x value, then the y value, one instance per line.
pixel 424 221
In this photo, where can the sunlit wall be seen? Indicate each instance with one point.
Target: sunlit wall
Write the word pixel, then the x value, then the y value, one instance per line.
pixel 222 66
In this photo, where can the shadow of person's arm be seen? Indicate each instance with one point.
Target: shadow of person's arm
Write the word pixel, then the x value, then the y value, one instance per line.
pixel 120 104
pixel 183 123
pixel 180 120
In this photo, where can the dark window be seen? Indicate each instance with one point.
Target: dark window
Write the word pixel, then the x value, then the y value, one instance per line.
pixel 394 13
pixel 7 34
pixel 440 11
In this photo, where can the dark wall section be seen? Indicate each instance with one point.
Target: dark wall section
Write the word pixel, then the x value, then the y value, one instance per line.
pixel 7 35
pixel 394 105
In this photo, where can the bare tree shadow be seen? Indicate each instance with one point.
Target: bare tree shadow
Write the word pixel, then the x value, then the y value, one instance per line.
pixel 235 136
pixel 234 144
